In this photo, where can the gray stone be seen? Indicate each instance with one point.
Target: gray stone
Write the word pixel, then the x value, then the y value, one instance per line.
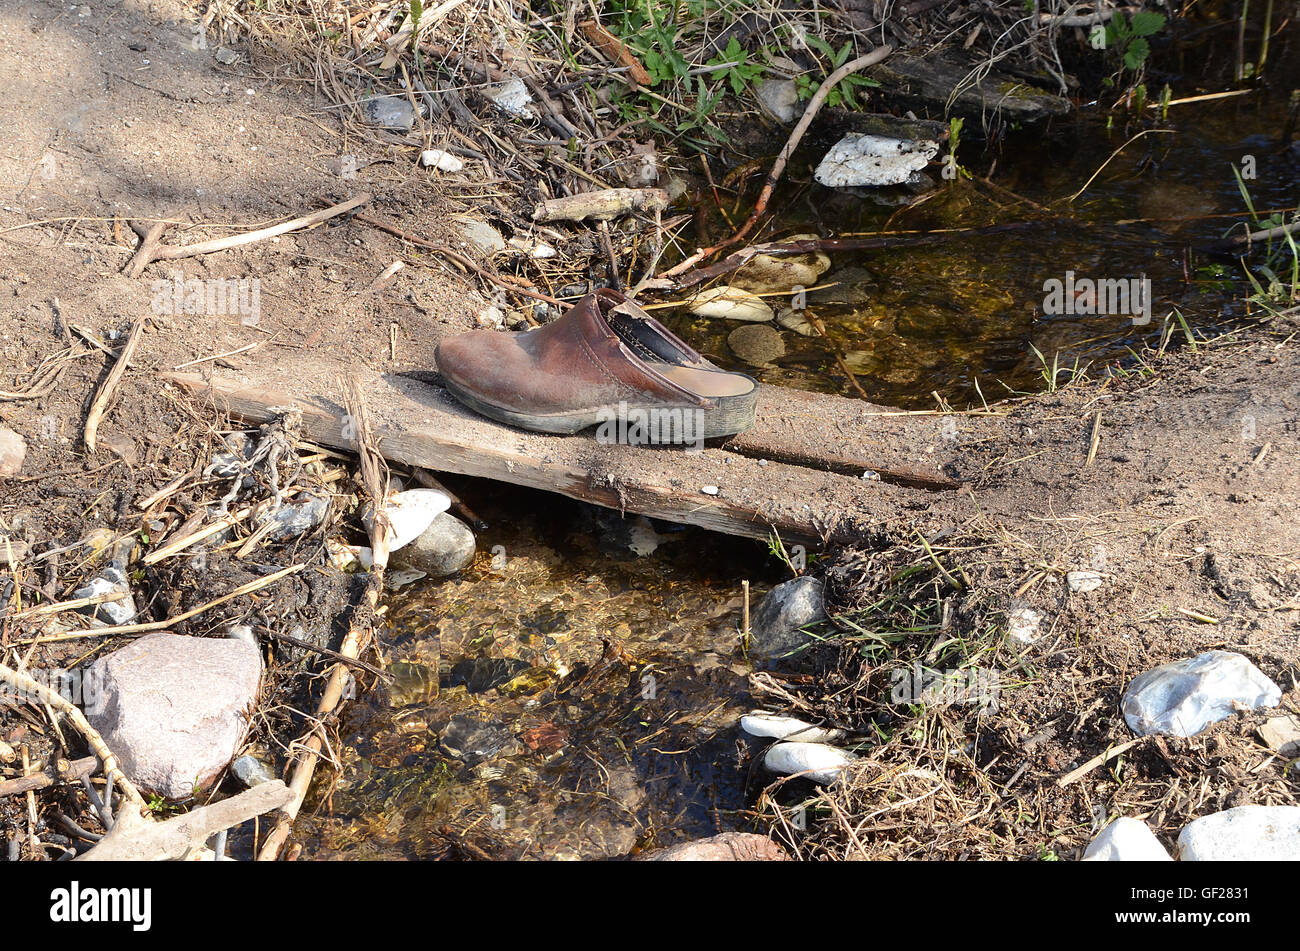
pixel 1282 734
pixel 756 344
pixel 251 771
pixel 1247 833
pixel 443 549
pixel 1083 581
pixel 390 112
pixel 779 98
pixel 112 580
pixel 473 738
pixel 482 235
pixel 13 450
pixel 174 709
pixel 296 518
pixel 1185 697
pixel 775 627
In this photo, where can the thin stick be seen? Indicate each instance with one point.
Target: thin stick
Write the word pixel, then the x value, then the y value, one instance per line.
pixel 1112 156
pixel 162 625
pixel 1096 440
pixel 105 394
pixel 152 249
pixel 25 684
pixel 375 477
pixel 1096 761
pixel 778 167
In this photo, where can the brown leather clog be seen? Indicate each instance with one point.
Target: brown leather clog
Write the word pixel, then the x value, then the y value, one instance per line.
pixel 605 360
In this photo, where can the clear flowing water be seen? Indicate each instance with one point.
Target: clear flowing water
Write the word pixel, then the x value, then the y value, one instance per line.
pixel 948 316
pixel 575 692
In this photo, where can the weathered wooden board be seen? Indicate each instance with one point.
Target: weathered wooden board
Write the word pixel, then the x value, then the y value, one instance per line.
pixel 420 424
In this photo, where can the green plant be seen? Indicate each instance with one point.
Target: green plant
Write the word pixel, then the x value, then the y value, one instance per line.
pixel 1128 38
pixel 733 65
pixel 844 91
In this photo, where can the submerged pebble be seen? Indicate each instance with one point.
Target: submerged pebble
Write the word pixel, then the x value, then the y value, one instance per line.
pixel 756 344
pixel 442 549
pixel 730 303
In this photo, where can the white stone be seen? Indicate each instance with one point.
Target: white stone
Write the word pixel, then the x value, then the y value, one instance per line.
pixel 538 250
pixel 410 513
pixel 513 98
pixel 786 728
pixel 1185 697
pixel 709 489
pixel 1083 581
pixel 860 159
pixel 796 320
pixel 817 761
pixel 442 161
pixel 174 709
pixel 1126 840
pixel 13 450
pixel 1247 833
pixel 482 235
pixel 731 303
pixel 1022 625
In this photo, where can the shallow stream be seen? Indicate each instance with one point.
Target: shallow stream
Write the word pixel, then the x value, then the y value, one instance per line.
pixel 474 753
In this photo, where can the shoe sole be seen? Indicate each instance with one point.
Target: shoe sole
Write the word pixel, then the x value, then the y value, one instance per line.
pixel 730 415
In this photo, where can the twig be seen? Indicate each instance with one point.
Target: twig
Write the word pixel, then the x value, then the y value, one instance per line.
pixel 105 394
pixel 1095 441
pixel 1096 761
pixel 1103 165
pixel 25 684
pixel 778 167
pixel 152 249
pixel 374 474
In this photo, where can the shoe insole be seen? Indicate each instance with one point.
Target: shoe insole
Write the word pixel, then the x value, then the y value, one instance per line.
pixel 710 383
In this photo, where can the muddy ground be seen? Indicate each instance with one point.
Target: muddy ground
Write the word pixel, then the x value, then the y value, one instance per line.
pixel 1189 508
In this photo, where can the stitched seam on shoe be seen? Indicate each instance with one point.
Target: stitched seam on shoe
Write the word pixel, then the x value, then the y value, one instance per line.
pixel 595 362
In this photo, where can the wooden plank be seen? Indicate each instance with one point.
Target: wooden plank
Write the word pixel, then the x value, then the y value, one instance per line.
pixel 420 424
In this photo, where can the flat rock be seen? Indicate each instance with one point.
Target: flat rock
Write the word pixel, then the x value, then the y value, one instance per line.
pixel 724 847
pixel 873 160
pixel 929 82
pixel 782 273
pixel 174 709
pixel 756 344
pixel 1126 840
pixel 1247 833
pixel 775 628
pixel 442 549
pixel 1282 734
pixel 1185 697
pixel 482 235
pixel 730 303
pixel 1023 624
pixel 389 112
pixel 13 450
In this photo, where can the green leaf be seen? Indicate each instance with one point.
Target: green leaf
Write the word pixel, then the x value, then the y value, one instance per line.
pixel 417 9
pixel 1136 53
pixel 1146 23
